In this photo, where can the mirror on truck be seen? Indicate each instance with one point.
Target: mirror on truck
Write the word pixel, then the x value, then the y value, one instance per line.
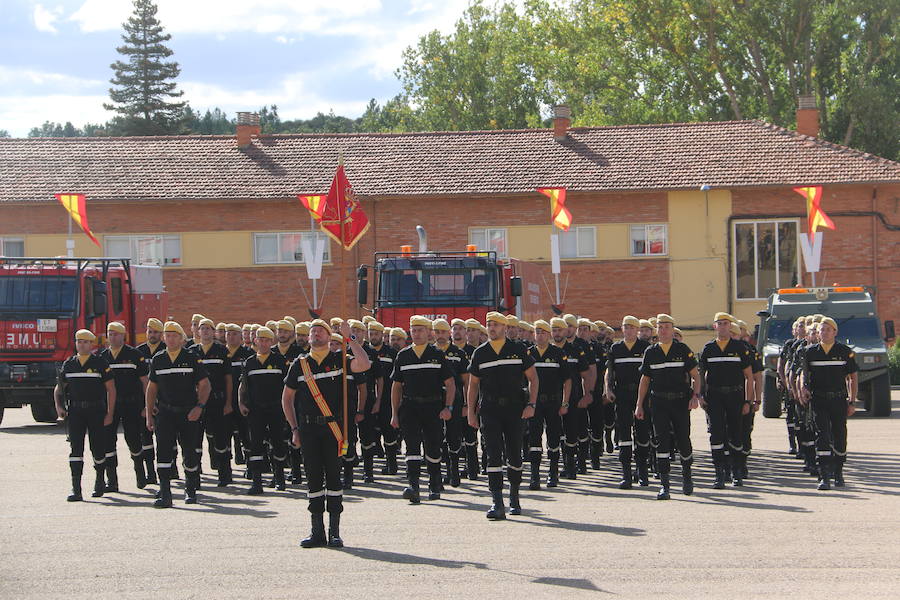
pixel 362 291
pixel 515 286
pixel 99 292
pixel 889 332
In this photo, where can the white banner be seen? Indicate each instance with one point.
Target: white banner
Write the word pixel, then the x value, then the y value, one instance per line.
pixel 812 253
pixel 554 253
pixel 313 256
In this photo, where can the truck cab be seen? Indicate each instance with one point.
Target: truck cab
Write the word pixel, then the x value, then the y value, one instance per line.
pixel 853 309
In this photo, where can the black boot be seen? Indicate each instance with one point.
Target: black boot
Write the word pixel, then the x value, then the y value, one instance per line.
pixel 535 481
pixel 150 469
pixel 316 537
pixel 642 472
pixel 256 488
pixel 239 458
pixel 334 530
pixel 515 480
pixel 411 493
pixel 391 460
pixel 99 484
pixel 583 452
pixel 112 477
pixel 445 459
pixel 368 467
pixel 278 475
pixel 434 481
pixel 225 476
pixel 139 474
pixel 191 484
pixel 719 483
pixel 626 483
pixel 553 469
pixel 472 462
pixel 165 494
pixel 75 496
pixel 737 470
pixel 596 453
pixel 497 512
pixel 569 463
pixel 663 493
pixel 687 480
pixel 839 472
pixel 608 436
pixel 792 441
pixel 824 473
pixel 347 483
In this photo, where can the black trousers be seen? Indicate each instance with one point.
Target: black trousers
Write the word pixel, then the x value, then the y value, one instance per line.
pixel 368 428
pixel 501 429
pixel 218 428
pixel 420 424
pixel 672 427
pixel 266 424
pixel 454 428
pixel 726 423
pixel 829 415
pixel 390 436
pixel 128 413
pixel 601 417
pixel 546 417
pixel 323 468
pixel 172 427
pixel 626 402
pixel 575 424
pixel 88 421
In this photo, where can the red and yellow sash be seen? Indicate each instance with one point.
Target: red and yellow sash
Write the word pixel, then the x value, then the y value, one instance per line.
pixel 322 404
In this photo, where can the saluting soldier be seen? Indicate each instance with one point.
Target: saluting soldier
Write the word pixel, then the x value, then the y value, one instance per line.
pixel 176 396
pixel 829 383
pixel 215 359
pixel 453 427
pixel 725 369
pixel 422 395
pixel 129 369
pixel 260 392
pixel 554 388
pixel 495 394
pixel 312 402
pixel 623 376
pixel 663 374
pixel 86 395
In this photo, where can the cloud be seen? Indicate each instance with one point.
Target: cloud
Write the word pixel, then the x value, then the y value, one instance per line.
pixel 14 79
pixel 22 112
pixel 45 18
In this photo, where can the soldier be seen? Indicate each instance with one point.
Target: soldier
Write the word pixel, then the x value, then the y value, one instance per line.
pixel 221 329
pixel 805 433
pixel 398 338
pixel 725 369
pixel 195 325
pixel 581 367
pixel 623 376
pixel 471 333
pixel 781 383
pixel 302 336
pixel 357 393
pixel 284 334
pixel 365 421
pixel 494 393
pixel 237 355
pixel 129 369
pixel 247 335
pixel 176 396
pixel 554 387
pixel 422 395
pixel 645 331
pixel 527 335
pixel 663 373
pixel 214 357
pixel 587 331
pixel 260 391
pixel 453 427
pixel 385 353
pixel 313 405
pixel 86 395
pixel 756 366
pixel 829 372
pixel 153 345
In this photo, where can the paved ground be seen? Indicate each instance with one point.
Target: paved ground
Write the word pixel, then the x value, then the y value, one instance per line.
pixel 776 537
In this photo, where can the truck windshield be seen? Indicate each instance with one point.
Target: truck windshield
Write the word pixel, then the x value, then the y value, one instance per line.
pixel 779 331
pixel 51 296
pixel 858 329
pixel 438 286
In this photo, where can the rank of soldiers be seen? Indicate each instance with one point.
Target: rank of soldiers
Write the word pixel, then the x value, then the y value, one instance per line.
pixel 313 398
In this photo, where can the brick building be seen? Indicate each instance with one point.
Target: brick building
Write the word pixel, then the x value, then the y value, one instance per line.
pixel 220 212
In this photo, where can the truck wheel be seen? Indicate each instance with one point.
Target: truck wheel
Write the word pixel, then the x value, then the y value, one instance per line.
pixel 880 401
pixel 44 411
pixel 771 399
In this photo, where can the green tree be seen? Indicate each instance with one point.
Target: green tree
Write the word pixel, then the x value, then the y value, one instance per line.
pixel 144 86
pixel 4 133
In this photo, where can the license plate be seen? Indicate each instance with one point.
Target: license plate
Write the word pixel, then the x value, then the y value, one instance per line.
pixel 46 325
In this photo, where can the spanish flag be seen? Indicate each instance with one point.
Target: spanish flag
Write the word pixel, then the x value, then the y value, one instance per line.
pixel 75 204
pixel 315 205
pixel 562 218
pixel 815 216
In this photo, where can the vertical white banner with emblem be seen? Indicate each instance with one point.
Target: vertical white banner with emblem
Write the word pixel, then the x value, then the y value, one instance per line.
pixel 812 252
pixel 313 256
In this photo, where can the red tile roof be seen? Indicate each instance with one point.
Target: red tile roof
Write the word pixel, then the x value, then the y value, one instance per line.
pixel 639 157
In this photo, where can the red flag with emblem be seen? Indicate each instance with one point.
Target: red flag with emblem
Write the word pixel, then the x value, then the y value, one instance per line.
pixel 341 208
pixel 75 204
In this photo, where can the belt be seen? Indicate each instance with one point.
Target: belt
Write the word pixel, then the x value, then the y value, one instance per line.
pixel 501 400
pixel 841 394
pixel 422 399
pixel 316 419
pixel 87 404
pixel 175 409
pixel 670 395
pixel 549 398
pixel 627 387
pixel 727 389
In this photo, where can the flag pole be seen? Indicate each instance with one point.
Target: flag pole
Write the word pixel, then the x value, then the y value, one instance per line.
pixel 554 241
pixel 70 243
pixel 346 442
pixel 312 227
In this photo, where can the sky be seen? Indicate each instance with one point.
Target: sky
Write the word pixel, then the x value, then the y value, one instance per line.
pixel 305 56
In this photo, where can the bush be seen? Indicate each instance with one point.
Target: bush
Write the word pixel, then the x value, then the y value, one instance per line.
pixel 894 363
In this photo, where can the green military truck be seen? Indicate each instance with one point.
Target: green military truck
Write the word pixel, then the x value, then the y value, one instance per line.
pixel 853 308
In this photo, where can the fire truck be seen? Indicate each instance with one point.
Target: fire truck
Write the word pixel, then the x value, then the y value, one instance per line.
pixel 450 284
pixel 44 301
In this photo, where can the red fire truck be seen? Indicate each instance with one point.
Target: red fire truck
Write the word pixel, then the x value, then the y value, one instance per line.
pixel 44 301
pixel 456 284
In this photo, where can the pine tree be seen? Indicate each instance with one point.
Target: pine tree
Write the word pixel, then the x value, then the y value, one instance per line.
pixel 144 86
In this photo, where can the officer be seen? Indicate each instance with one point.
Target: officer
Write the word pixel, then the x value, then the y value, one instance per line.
pixel 829 373
pixel 494 393
pixel 554 389
pixel 261 386
pixel 621 387
pixel 312 402
pixel 153 345
pixel 663 374
pixel 237 355
pixel 176 396
pixel 422 395
pixel 129 369
pixel 725 369
pixel 385 354
pixel 86 395
pixel 580 364
pixel 216 417
pixel 453 427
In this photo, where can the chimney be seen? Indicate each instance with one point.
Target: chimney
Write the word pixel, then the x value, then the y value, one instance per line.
pixel 247 127
pixel 561 120
pixel 807 116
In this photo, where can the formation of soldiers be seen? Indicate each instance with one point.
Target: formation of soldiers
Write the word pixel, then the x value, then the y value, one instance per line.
pixel 272 397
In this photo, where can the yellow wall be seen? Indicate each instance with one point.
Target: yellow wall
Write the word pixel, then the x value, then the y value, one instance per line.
pixel 55 245
pixel 532 242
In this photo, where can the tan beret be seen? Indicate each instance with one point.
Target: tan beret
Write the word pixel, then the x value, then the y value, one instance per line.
pixel 631 320
pixel 495 317
pixel 197 318
pixel 473 324
pixel 724 316
pixel 265 332
pixel 247 327
pixel 232 327
pixel 85 334
pixel 543 326
pixel 526 326
pixel 356 324
pixel 373 324
pixel 320 323
pixel 558 322
pixel 440 325
pixel 205 321
pixel 398 332
pixel 741 324
pixel 420 320
pixel 173 327
pixel 336 337
pixel 735 330
pixel 512 321
pixel 336 321
pixel 115 326
pixel 290 319
pixel 571 320
pixel 829 321
pixel 595 327
pixel 273 325
pixel 582 322
pixel 646 323
pixel 457 321
pixel 154 324
pixel 368 319
pixel 664 318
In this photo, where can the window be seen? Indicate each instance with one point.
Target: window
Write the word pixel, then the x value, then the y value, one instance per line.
pixel 649 240
pixel 578 242
pixel 489 239
pixel 163 250
pixel 12 247
pixel 765 257
pixel 285 247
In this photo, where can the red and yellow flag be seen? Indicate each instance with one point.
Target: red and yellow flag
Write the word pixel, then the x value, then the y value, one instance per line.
pixel 562 218
pixel 75 204
pixel 340 206
pixel 314 204
pixel 815 216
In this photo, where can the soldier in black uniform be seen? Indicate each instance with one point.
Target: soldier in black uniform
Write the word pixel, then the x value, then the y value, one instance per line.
pixel 579 370
pixel 153 345
pixel 313 405
pixel 495 394
pixel 422 395
pixel 385 354
pixel 781 382
pixel 471 337
pixel 357 395
pixel 260 391
pixel 554 387
pixel 805 434
pixel 238 428
pixel 216 417
pixel 576 420
pixel 623 376
pixel 287 348
pixel 129 369
pixel 176 396
pixel 302 336
pixel 725 368
pixel 663 374
pixel 365 420
pixel 86 395
pixel 596 411
pixel 453 427
pixel 829 373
